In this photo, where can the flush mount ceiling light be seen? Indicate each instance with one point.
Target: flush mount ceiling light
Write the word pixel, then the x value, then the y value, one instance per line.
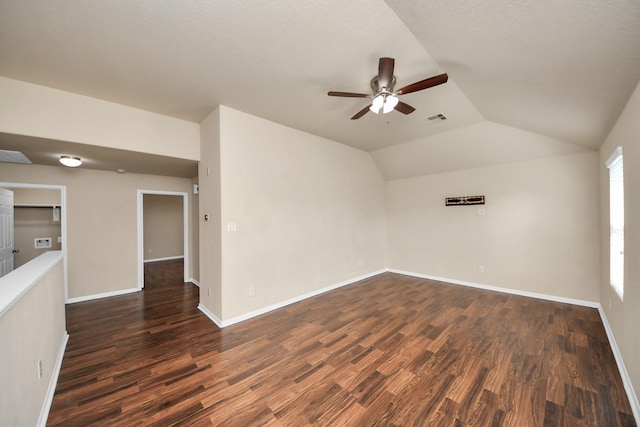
pixel 71 161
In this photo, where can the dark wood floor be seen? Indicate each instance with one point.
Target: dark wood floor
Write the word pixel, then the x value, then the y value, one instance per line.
pixel 388 351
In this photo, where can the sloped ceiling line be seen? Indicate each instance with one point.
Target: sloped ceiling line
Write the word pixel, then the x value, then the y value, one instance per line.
pixel 560 70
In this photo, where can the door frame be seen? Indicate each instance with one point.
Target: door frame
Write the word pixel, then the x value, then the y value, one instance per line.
pixel 7 241
pixel 63 221
pixel 185 225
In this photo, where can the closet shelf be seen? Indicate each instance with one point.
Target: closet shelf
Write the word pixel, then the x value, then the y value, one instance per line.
pixel 34 205
pixel 18 223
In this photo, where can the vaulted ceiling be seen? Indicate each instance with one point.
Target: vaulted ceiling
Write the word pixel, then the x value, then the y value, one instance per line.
pixel 528 78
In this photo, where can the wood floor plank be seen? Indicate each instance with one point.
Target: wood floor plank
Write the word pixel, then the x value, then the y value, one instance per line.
pixel 391 350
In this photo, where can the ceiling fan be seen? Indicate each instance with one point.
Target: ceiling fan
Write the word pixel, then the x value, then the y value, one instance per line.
pixel 384 96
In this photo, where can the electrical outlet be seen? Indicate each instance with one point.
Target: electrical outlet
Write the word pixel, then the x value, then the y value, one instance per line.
pixel 209 291
pixel 39 369
pixel 481 269
pixel 252 291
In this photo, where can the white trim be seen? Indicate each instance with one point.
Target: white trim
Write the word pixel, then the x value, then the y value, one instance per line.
pixel 615 164
pixel 185 235
pixel 210 315
pixel 547 297
pixel 53 382
pixel 140 237
pixel 255 313
pixel 168 258
pixel 102 295
pixel 626 379
pixel 140 233
pixel 63 234
pixel 194 281
pixel 63 220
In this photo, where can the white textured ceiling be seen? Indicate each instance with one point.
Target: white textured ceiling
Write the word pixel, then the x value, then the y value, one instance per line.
pixel 563 69
pixel 559 70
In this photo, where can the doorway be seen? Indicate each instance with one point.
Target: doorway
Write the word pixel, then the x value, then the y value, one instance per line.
pixel 37 196
pixel 148 252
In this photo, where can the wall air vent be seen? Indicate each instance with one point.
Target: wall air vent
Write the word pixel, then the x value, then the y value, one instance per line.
pixel 437 117
pixel 9 156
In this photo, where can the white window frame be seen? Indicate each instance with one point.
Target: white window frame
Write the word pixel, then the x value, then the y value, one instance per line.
pixel 616 221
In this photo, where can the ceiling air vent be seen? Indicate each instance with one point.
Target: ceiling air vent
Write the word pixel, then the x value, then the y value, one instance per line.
pixel 437 117
pixel 14 157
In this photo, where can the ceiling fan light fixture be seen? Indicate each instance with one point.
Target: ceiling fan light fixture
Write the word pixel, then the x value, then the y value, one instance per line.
pixel 390 103
pixel 377 104
pixel 71 161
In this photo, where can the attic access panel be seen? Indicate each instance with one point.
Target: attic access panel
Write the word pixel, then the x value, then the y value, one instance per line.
pixel 10 156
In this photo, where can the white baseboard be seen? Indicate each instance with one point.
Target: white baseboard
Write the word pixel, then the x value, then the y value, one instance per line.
pixel 251 314
pixel 169 258
pixel 194 281
pixel 626 379
pixel 547 297
pixel 103 295
pixel 210 315
pixel 53 381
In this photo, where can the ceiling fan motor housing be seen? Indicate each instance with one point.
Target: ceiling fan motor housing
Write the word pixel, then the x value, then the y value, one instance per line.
pixel 375 87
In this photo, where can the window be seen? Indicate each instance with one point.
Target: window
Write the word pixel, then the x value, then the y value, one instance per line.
pixel 616 219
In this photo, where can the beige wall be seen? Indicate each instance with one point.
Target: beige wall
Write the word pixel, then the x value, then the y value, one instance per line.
pixel 33 110
pixel 30 223
pixel 624 316
pixel 36 196
pixel 32 329
pixel 101 222
pixel 163 226
pixel 539 233
pixel 310 213
pixel 209 205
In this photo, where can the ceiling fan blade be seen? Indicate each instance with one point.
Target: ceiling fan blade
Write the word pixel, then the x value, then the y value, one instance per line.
pixel 424 84
pixel 361 113
pixel 404 108
pixel 349 94
pixel 385 72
